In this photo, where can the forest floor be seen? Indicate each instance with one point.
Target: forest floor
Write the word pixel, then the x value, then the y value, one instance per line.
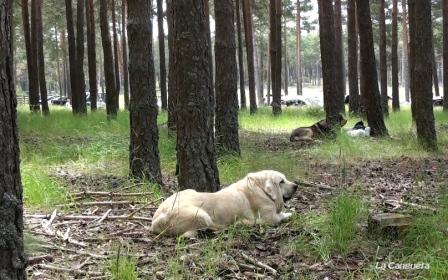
pixel 86 219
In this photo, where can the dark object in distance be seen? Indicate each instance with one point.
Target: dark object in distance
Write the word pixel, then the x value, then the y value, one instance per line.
pixel 359 125
pixel 438 101
pixel 294 102
pixel 317 130
pixel 59 101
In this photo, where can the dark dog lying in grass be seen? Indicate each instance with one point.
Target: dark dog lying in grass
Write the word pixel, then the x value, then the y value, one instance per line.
pixel 318 130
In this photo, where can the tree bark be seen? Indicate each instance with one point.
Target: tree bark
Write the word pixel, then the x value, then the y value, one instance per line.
pixel 395 85
pixel 124 44
pixel 249 36
pixel 260 76
pixel 79 103
pixel 339 57
pixel 268 74
pixel 41 59
pixel 34 79
pixel 383 58
pixel 421 46
pixel 72 53
pixel 161 34
pixel 412 15
pixel 445 55
pixel 172 103
pixel 298 50
pixel 243 105
pixel 116 64
pixel 58 63
pixel 405 64
pixel 352 45
pixel 91 54
pixel 109 74
pixel 368 68
pixel 12 257
pixel 144 152
pixel 327 43
pixel 285 58
pixel 275 43
pixel 195 144
pixel 226 87
pixel 434 72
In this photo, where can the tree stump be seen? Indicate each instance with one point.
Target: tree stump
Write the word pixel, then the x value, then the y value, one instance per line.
pixel 388 225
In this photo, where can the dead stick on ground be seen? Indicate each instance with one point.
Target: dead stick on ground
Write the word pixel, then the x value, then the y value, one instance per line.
pixel 98 203
pixel 259 264
pixel 412 204
pixel 90 218
pixel 104 216
pixel 80 195
pixel 313 185
pixel 68 270
pixel 142 207
pixel 79 252
pixel 38 259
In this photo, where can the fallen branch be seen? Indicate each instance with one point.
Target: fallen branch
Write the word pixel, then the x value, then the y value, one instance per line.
pixel 79 252
pixel 259 264
pixel 80 195
pixel 77 272
pixel 97 203
pixel 398 202
pixel 89 218
pixel 142 207
pixel 314 186
pixel 104 216
pixel 38 259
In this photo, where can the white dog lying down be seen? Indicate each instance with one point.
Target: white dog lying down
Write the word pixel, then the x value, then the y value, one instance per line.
pixel 257 198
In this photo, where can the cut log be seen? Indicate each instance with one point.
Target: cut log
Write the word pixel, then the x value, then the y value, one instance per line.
pixel 389 225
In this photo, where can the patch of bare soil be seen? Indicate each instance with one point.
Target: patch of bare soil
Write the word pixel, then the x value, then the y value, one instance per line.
pixel 82 238
pixel 274 142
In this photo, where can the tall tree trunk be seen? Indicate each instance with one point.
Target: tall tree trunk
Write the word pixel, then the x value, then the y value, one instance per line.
pixel 421 85
pixel 445 55
pixel 116 63
pixel 58 63
pixel 268 74
pixel 33 82
pixel 144 153
pixel 195 144
pixel 249 36
pixel 91 54
pixel 67 87
pixel 369 83
pixel 79 99
pixel 12 257
pixel 395 86
pixel 327 43
pixel 72 53
pixel 172 99
pixel 434 72
pixel 339 57
pixel 412 15
pixel 285 57
pixel 383 58
pixel 212 70
pixel 109 74
pixel 275 43
pixel 162 54
pixel 243 105
pixel 34 98
pixel 298 50
pixel 405 64
pixel 352 45
pixel 124 44
pixel 41 58
pixel 227 138
pixel 259 72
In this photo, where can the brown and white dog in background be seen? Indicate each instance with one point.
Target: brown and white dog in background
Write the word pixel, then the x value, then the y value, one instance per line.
pixel 318 130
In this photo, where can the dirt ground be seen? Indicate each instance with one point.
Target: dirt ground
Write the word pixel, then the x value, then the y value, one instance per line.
pixel 83 237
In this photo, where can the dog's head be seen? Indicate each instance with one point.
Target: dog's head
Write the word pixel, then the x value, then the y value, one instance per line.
pixel 274 185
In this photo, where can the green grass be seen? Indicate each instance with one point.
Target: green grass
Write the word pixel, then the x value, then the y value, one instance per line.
pixel 332 232
pixel 123 266
pixel 94 145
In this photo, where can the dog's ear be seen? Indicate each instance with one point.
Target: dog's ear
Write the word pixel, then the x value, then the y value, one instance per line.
pixel 273 190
